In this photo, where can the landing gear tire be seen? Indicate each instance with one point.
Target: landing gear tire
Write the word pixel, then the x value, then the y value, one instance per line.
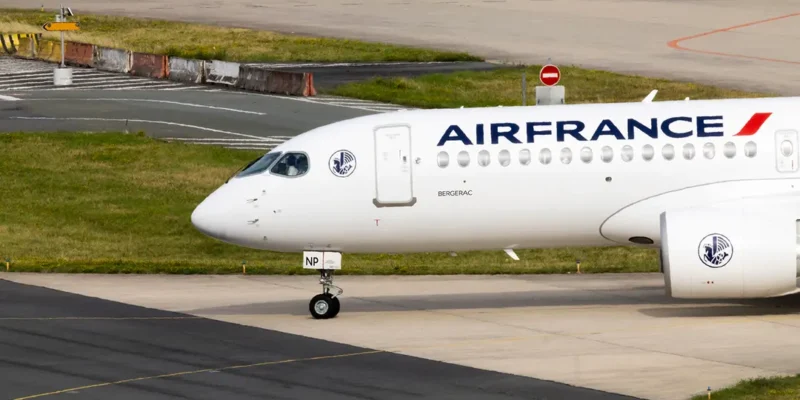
pixel 324 306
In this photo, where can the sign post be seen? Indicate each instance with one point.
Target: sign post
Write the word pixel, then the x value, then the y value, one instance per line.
pixel 62 75
pixel 549 94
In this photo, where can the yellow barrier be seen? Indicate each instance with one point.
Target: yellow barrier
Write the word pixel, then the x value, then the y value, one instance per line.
pixel 27 48
pixel 11 42
pixel 49 51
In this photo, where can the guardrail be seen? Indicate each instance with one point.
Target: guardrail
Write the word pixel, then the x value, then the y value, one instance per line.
pixel 251 77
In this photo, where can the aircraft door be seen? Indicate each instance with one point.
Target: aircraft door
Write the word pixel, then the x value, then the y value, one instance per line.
pixel 786 150
pixel 393 167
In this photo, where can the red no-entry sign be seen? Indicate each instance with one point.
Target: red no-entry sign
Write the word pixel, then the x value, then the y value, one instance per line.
pixel 550 75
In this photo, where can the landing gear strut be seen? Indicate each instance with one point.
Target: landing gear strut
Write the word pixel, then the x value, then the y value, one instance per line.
pixel 325 305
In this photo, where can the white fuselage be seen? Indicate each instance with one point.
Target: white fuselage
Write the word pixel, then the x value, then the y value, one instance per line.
pixel 520 199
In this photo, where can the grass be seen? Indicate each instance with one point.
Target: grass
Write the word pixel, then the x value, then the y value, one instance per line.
pixel 504 87
pixel 779 388
pixel 116 203
pixel 199 41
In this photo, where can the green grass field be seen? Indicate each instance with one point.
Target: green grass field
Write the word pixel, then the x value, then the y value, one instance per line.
pixel 783 388
pixel 504 87
pixel 115 203
pixel 214 42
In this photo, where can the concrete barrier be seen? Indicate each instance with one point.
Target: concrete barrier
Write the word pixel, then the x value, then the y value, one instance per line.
pixel 49 51
pixel 27 48
pixel 149 65
pixel 222 72
pixel 10 43
pixel 7 43
pixel 263 79
pixel 79 54
pixel 112 60
pixel 184 70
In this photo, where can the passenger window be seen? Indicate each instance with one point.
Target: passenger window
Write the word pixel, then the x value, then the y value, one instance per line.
pixel 729 150
pixel 586 155
pixel 668 152
pixel 566 155
pixel 606 154
pixel 483 158
pixel 524 156
pixel 545 156
pixel 463 158
pixel 504 158
pixel 292 164
pixel 688 151
pixel 648 152
pixel 708 150
pixel 259 165
pixel 627 153
pixel 750 149
pixel 443 159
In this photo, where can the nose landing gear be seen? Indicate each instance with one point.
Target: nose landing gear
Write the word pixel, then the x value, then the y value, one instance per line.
pixel 325 305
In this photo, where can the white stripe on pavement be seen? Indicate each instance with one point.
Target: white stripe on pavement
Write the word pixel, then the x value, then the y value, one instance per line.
pixel 202 128
pixel 160 102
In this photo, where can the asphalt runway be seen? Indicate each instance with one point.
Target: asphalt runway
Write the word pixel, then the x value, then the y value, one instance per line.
pixel 737 43
pixel 233 118
pixel 618 333
pixel 251 115
pixel 56 343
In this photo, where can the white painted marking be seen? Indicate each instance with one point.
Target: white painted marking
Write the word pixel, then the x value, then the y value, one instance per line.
pixel 550 75
pixel 73 87
pixel 49 81
pixel 202 128
pixel 8 98
pixel 227 144
pixel 249 148
pixel 265 139
pixel 22 72
pixel 108 86
pixel 161 102
pixel 183 87
pixel 312 100
pixel 351 103
pixel 169 86
pixel 45 73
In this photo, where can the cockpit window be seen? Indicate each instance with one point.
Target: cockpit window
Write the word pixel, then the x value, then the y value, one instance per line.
pixel 259 165
pixel 291 164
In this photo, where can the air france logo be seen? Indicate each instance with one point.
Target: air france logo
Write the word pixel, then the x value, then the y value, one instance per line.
pixel 715 250
pixel 342 163
pixel 677 127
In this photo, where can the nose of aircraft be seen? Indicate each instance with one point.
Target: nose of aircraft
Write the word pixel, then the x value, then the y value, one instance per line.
pixel 208 217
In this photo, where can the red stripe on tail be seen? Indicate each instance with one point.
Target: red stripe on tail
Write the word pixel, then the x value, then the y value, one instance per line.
pixel 754 124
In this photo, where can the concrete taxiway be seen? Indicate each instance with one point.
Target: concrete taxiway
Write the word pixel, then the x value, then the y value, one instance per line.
pixel 56 343
pixel 737 43
pixel 615 333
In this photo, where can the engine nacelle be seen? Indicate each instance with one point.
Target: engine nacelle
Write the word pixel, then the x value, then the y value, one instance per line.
pixel 730 253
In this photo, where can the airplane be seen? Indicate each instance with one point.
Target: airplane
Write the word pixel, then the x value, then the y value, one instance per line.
pixel 712 184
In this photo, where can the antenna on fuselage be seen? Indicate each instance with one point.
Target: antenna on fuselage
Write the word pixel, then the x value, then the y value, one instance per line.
pixel 650 97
